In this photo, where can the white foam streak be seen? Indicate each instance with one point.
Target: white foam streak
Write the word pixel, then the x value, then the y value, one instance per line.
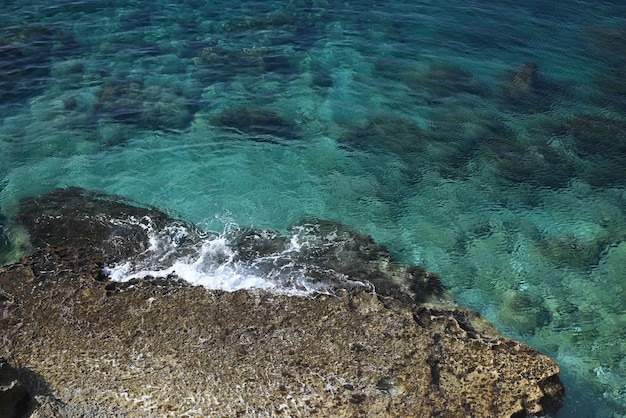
pixel 211 262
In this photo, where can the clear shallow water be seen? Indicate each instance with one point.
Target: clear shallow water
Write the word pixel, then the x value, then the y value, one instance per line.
pixel 421 124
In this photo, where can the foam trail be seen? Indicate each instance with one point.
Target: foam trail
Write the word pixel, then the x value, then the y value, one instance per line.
pixel 209 260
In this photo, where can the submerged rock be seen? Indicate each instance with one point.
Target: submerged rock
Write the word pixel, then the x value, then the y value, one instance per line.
pixel 26 54
pixel 153 347
pixel 602 142
pixel 538 164
pixel 441 80
pixel 607 42
pixel 597 135
pixel 525 89
pixel 256 123
pixel 213 64
pixel 152 107
pixel 387 133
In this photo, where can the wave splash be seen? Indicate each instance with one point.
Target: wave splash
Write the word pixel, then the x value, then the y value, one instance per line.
pixel 243 258
pixel 133 242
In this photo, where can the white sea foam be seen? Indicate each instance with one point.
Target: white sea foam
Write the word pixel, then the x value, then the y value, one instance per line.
pixel 209 260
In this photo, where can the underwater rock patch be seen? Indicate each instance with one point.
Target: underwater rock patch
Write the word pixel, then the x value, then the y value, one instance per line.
pixel 440 80
pixel 256 123
pixel 213 64
pixel 526 89
pixel 520 163
pixel 152 107
pixel 607 42
pixel 602 143
pixel 26 54
pixel 597 135
pixel 388 133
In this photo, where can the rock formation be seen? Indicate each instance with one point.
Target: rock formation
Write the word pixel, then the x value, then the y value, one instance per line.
pixel 158 346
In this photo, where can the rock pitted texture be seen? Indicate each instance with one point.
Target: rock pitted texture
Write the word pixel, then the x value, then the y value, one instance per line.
pixel 158 347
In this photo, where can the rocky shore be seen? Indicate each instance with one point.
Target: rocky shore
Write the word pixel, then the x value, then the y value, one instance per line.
pixel 80 344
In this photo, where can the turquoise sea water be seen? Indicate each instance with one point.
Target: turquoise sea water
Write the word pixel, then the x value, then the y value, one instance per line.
pixel 484 141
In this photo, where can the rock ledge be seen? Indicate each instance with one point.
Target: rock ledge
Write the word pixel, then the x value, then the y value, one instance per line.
pixel 158 347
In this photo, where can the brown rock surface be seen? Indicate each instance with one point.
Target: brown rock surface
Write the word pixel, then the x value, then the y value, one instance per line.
pixel 159 347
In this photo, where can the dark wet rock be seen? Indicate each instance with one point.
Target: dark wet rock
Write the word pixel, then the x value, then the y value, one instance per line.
pixel 94 226
pixel 253 244
pixel 256 123
pixel 152 107
pixel 602 142
pixel 101 230
pixel 339 248
pixel 539 165
pixel 388 133
pixel 14 397
pixel 441 80
pixel 26 53
pixel 335 256
pixel 233 353
pixel 526 89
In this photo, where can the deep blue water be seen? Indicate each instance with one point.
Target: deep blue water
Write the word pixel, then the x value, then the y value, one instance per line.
pixel 484 141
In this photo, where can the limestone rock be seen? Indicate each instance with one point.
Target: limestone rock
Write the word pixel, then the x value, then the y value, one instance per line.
pixel 163 349
pixel 154 347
